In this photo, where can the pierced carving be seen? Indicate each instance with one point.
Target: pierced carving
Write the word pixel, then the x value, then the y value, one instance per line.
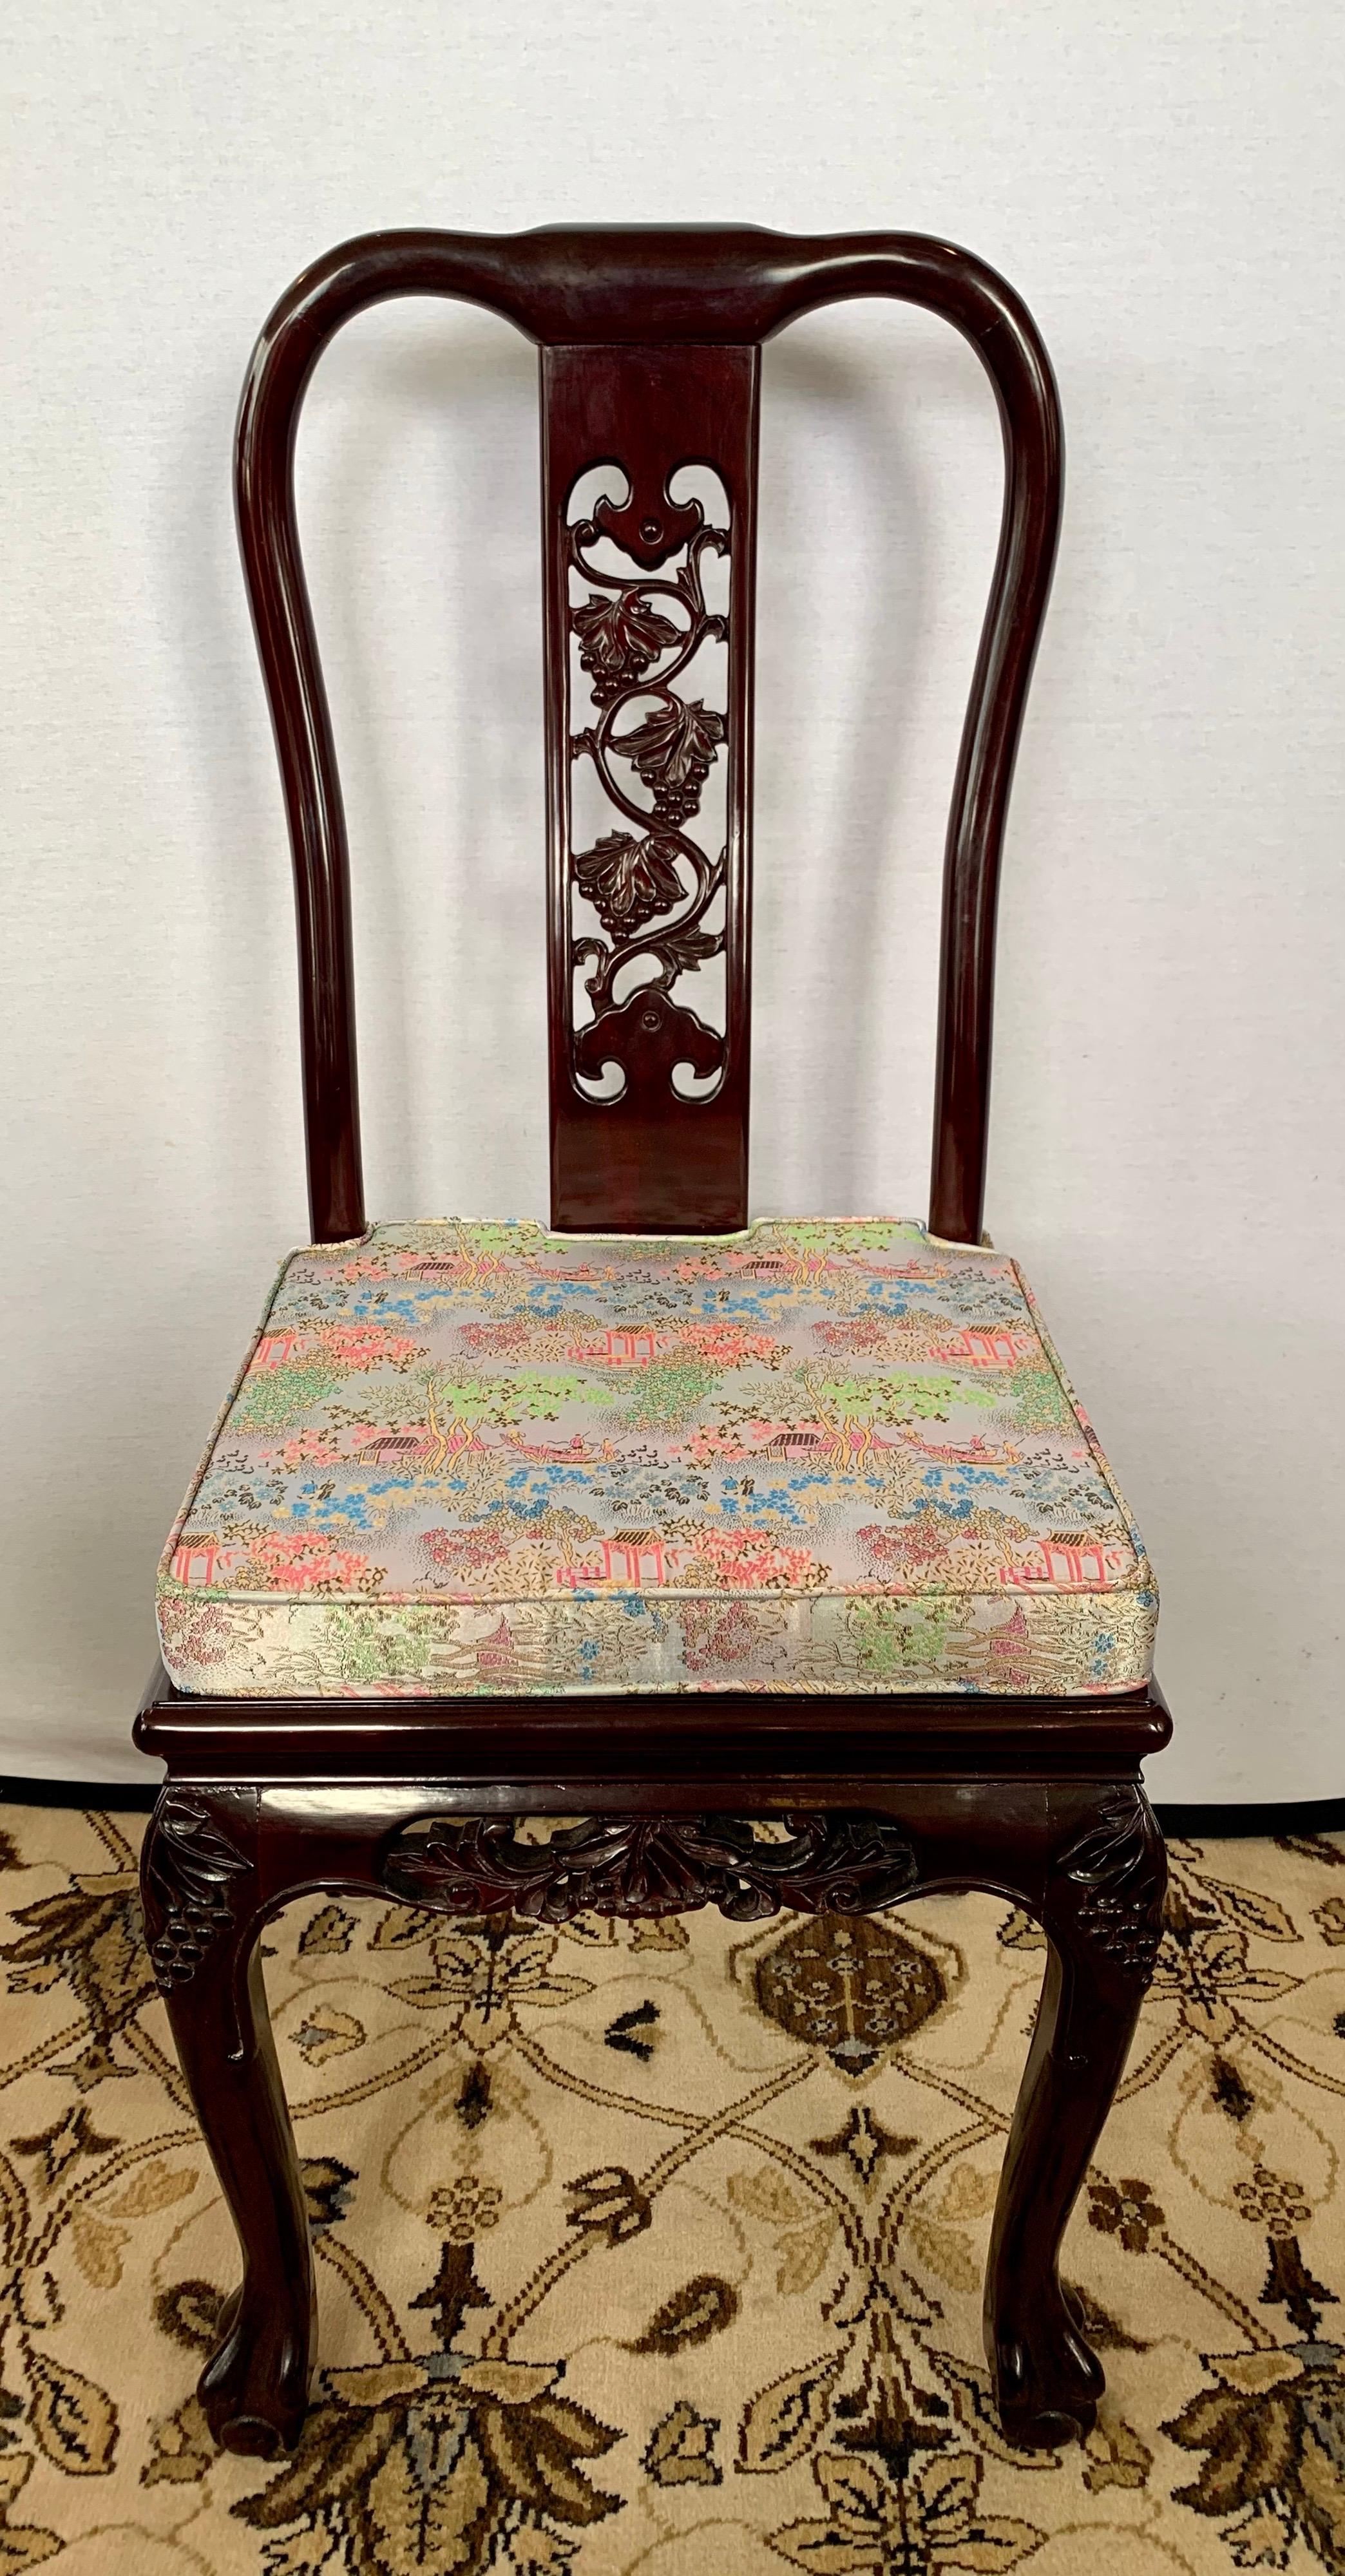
pixel 650 882
pixel 831 1864
pixel 190 1871
pixel 1120 1862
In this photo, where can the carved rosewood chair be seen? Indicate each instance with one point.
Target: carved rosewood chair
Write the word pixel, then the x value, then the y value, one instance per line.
pixel 781 1556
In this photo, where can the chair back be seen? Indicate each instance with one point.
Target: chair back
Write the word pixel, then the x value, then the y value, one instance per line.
pixel 649 342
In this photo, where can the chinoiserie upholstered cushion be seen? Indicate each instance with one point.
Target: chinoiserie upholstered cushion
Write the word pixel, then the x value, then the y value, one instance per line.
pixel 484 1458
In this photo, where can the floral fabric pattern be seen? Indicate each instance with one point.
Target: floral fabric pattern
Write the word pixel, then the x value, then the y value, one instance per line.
pixel 655 2248
pixel 487 1459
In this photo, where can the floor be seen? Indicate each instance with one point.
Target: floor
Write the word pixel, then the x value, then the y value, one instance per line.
pixel 658 2247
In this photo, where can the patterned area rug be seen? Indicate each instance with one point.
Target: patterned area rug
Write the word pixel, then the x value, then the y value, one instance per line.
pixel 658 2247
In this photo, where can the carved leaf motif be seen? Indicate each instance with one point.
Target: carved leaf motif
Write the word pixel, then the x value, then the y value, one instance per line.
pixel 687 580
pixel 686 950
pixel 618 639
pixel 672 750
pixel 628 881
pixel 633 876
pixel 653 1865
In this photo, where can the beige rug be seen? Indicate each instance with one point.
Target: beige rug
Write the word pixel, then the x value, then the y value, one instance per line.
pixel 658 2247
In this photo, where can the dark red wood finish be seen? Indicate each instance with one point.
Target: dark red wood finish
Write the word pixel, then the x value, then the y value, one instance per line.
pixel 650 343
pixel 630 288
pixel 1038 1801
pixel 651 1161
pixel 741 1736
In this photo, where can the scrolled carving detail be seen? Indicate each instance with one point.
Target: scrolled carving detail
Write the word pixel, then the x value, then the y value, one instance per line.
pixel 650 882
pixel 191 1870
pixel 1120 1864
pixel 629 1866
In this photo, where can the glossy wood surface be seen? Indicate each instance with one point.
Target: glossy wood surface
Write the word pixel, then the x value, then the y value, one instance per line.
pixel 650 1161
pixel 630 288
pixel 1083 1855
pixel 650 359
pixel 719 1738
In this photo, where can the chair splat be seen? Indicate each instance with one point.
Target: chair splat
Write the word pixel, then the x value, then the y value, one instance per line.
pixel 648 709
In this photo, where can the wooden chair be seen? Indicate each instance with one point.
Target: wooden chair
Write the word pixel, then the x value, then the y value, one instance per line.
pixel 728 1729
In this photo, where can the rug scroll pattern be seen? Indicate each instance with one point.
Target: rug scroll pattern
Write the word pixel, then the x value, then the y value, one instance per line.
pixel 657 2247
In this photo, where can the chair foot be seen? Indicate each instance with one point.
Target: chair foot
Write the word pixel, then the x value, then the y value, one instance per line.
pixel 254 2388
pixel 1046 2380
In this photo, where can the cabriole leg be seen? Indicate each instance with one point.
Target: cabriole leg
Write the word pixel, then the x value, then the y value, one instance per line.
pixel 202 1919
pixel 1102 1915
pixel 1089 1862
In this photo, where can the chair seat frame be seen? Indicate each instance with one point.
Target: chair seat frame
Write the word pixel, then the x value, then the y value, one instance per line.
pixel 883 1798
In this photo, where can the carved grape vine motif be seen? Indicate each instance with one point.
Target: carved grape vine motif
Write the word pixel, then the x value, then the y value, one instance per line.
pixel 191 1868
pixel 829 1864
pixel 1120 1865
pixel 649 880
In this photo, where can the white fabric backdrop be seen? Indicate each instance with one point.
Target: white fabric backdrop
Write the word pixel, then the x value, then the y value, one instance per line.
pixel 1163 187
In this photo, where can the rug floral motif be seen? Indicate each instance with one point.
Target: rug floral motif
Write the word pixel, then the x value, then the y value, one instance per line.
pixel 658 2247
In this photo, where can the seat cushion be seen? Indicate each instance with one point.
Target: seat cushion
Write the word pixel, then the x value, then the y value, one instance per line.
pixel 488 1459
